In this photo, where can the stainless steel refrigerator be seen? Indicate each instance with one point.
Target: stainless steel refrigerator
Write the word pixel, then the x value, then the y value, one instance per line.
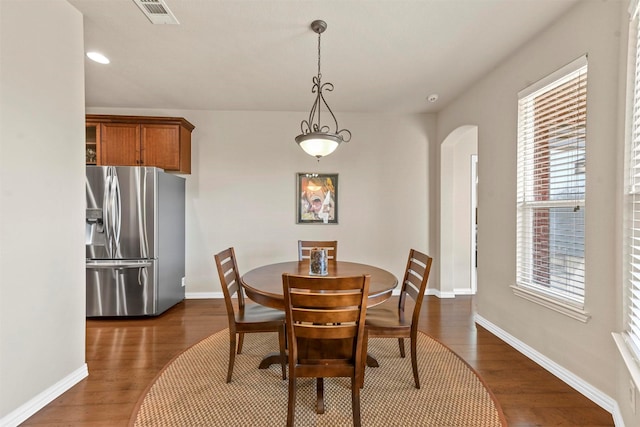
pixel 135 240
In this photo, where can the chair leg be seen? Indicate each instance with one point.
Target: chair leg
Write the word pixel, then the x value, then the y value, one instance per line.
pixel 232 354
pixel 414 360
pixel 355 401
pixel 365 345
pixel 319 395
pixel 240 341
pixel 291 406
pixel 401 344
pixel 283 356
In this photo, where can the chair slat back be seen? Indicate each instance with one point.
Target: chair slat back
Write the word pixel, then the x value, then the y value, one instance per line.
pixel 415 280
pixel 229 279
pixel 305 246
pixel 325 308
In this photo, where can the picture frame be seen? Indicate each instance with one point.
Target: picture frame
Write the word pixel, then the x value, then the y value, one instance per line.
pixel 316 198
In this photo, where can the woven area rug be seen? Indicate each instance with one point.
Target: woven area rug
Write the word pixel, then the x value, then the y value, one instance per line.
pixel 191 390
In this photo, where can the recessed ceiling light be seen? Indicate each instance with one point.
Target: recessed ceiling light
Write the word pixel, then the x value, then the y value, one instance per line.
pixel 433 97
pixel 98 57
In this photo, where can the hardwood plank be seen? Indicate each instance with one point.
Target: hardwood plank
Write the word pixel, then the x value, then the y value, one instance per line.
pixel 125 355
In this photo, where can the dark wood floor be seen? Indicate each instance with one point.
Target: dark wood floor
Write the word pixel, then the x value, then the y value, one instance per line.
pixel 124 356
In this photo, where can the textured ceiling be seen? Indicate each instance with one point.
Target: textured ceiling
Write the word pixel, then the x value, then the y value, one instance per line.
pixel 381 55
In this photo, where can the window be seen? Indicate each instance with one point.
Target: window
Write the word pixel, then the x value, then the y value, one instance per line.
pixel 551 189
pixel 628 342
pixel 632 207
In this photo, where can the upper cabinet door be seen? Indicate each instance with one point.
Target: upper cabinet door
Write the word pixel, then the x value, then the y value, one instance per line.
pixel 120 143
pixel 161 146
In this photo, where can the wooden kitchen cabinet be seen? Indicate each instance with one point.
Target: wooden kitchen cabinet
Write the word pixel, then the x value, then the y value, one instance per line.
pixel 120 144
pixel 164 142
pixel 161 146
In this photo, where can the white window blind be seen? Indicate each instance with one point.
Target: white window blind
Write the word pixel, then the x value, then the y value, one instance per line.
pixel 551 184
pixel 632 222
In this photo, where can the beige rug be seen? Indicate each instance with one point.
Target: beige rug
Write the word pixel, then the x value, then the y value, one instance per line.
pixel 191 390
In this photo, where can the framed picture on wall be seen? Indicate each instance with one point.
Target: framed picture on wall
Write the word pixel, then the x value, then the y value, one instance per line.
pixel 317 198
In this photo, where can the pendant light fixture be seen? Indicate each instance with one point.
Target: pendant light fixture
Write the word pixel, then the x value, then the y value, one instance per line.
pixel 317 139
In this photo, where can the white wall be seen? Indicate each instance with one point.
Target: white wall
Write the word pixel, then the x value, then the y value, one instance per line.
pixel 242 189
pixel 42 295
pixel 585 349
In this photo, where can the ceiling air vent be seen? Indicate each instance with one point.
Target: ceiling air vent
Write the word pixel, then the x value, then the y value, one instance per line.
pixel 157 11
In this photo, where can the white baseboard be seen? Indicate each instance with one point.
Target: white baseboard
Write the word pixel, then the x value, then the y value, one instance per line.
pixel 440 294
pixel 26 410
pixel 204 295
pixel 592 393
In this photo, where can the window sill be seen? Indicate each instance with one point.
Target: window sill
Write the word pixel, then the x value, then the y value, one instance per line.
pixel 551 303
pixel 628 357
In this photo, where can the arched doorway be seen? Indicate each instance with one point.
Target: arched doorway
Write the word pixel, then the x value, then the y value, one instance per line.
pixel 458 186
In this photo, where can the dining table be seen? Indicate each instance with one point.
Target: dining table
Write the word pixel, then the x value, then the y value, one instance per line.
pixel 264 286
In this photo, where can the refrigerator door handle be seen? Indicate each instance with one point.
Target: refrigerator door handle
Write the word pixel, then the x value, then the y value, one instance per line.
pixel 143 216
pixel 143 275
pixel 118 264
pixel 107 213
pixel 118 212
pixel 112 212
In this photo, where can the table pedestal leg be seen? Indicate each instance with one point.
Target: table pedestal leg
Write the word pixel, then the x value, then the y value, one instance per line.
pixel 372 362
pixel 270 359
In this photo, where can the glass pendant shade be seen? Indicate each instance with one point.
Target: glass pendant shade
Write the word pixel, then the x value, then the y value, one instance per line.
pixel 318 144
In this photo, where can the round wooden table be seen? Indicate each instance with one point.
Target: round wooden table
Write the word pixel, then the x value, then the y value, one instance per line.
pixel 264 284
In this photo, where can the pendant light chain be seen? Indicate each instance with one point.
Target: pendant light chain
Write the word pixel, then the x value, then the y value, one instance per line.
pixel 319 110
pixel 319 35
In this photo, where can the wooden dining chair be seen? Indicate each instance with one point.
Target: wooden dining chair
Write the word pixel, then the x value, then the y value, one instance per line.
pixel 305 246
pixel 387 321
pixel 325 327
pixel 248 318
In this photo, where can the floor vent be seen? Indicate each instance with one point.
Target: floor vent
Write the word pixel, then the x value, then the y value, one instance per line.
pixel 157 11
